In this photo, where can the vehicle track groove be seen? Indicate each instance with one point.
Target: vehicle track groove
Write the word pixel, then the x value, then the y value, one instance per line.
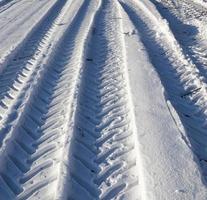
pixel 41 134
pixel 19 76
pixel 184 85
pixel 100 164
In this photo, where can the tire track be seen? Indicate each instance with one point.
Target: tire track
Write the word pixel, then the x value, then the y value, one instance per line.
pixel 184 85
pixel 13 38
pixel 40 138
pixel 193 46
pixel 189 9
pixel 5 5
pixel 103 151
pixel 23 9
pixel 21 72
pixel 192 42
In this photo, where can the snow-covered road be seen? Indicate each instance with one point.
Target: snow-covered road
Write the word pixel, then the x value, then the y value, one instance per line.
pixel 103 99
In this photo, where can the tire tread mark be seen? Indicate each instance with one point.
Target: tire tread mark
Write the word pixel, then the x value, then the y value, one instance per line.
pixel 38 126
pixel 94 144
pixel 21 78
pixel 185 87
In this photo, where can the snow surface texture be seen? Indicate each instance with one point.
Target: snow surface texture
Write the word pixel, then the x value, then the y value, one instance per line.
pixel 103 99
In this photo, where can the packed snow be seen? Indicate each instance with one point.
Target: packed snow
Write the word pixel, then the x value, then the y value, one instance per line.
pixel 103 99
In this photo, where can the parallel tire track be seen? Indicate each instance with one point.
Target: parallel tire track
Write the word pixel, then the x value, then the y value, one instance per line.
pixel 184 85
pixel 22 10
pixel 40 138
pixel 5 5
pixel 103 161
pixel 193 46
pixel 19 74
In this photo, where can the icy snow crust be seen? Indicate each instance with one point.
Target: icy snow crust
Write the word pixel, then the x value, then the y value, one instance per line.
pixel 103 99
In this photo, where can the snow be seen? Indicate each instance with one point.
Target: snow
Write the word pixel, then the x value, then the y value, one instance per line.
pixel 161 144
pixel 15 26
pixel 103 99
